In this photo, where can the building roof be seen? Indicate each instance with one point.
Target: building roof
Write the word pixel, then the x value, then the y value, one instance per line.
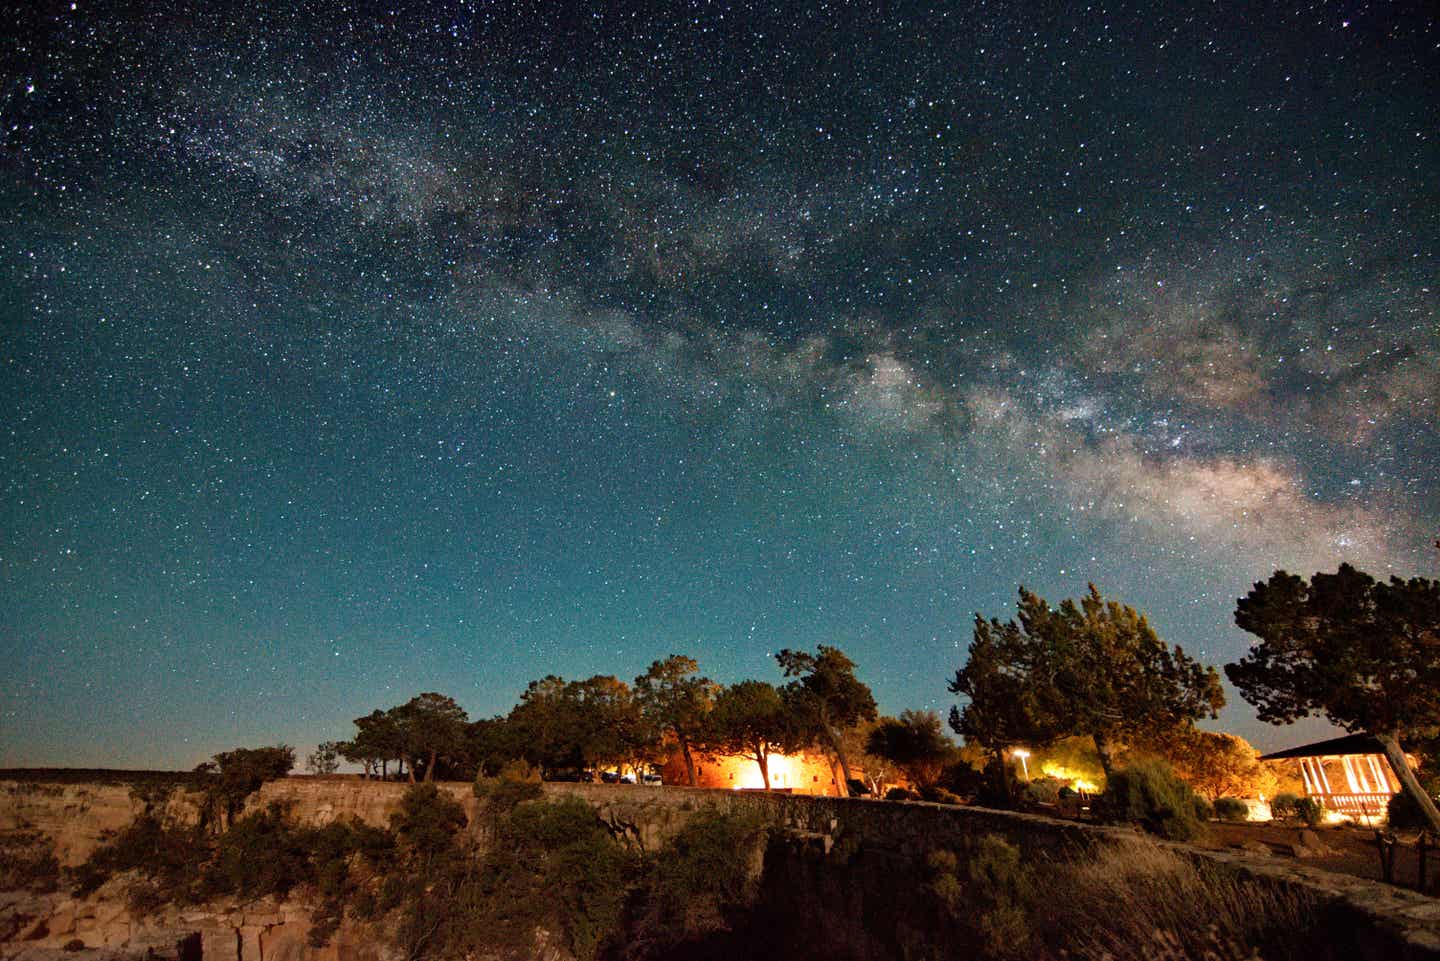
pixel 1334 747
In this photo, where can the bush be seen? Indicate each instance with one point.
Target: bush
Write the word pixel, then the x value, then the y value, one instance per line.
pixel 262 854
pixel 167 856
pixel 427 821
pixel 1042 790
pixel 501 795
pixel 703 874
pixel 1149 794
pixel 1232 809
pixel 1310 811
pixel 1404 813
pixel 940 796
pixel 989 890
pixel 28 863
pixel 1282 806
pixel 899 794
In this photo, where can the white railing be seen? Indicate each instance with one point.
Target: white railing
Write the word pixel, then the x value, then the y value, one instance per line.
pixel 1363 805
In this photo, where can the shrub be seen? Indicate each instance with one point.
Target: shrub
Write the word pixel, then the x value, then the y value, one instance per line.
pixel 899 794
pixel 989 891
pixel 1404 813
pixel 1148 793
pixel 1042 790
pixel 1232 809
pixel 702 874
pixel 28 863
pixel 427 821
pixel 262 854
pixel 500 795
pixel 1282 806
pixel 1310 811
pixel 940 795
pixel 554 867
pixel 168 858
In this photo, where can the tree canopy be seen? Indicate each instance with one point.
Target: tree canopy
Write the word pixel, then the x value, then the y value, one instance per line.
pixel 915 743
pixel 673 695
pixel 232 776
pixel 1363 653
pixel 1095 669
pixel 825 697
pixel 750 720
pixel 431 725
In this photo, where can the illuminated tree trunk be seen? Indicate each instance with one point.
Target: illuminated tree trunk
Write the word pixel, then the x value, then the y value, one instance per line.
pixel 430 768
pixel 689 758
pixel 762 758
pixel 1107 760
pixel 1408 782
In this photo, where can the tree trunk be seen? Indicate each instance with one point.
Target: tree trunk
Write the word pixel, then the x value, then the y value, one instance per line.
pixel 839 756
pixel 1107 760
pixel 1408 782
pixel 385 769
pixel 1003 770
pixel 689 759
pixel 762 758
pixel 430 768
pixel 409 769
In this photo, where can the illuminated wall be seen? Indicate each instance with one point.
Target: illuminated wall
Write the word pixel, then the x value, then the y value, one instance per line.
pixel 800 773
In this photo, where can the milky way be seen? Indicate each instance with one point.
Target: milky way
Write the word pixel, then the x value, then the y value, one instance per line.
pixel 352 354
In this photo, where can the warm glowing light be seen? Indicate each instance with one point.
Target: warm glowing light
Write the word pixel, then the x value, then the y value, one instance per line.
pixel 1020 752
pixel 784 772
pixel 1077 782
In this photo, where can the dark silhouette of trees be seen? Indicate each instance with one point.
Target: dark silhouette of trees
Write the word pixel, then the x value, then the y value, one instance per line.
pixel 583 724
pixel 677 700
pixel 750 720
pixel 431 725
pixel 915 743
pixel 378 740
pixel 1095 669
pixel 232 776
pixel 325 759
pixel 826 697
pixel 1363 653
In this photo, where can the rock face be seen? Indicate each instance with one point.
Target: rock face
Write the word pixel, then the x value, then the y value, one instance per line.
pixel 101 926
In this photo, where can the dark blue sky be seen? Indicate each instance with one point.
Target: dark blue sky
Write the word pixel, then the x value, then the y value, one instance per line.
pixel 445 346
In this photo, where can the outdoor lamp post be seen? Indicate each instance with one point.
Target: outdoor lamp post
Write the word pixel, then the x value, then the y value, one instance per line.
pixel 1022 754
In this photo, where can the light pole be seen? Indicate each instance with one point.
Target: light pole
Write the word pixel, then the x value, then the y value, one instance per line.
pixel 1022 754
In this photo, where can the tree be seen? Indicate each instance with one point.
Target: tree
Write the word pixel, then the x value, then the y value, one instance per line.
pixel 325 759
pixel 378 738
pixel 1216 764
pixel 232 776
pixel 915 743
pixel 1003 704
pixel 544 725
pixel 1095 669
pixel 1363 653
pixel 673 695
pixel 749 720
pixel 431 725
pixel 491 743
pixel 826 696
pixel 609 726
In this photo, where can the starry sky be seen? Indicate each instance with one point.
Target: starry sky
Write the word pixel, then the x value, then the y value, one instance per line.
pixel 353 351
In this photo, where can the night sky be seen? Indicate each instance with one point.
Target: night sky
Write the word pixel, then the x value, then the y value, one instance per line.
pixel 352 353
